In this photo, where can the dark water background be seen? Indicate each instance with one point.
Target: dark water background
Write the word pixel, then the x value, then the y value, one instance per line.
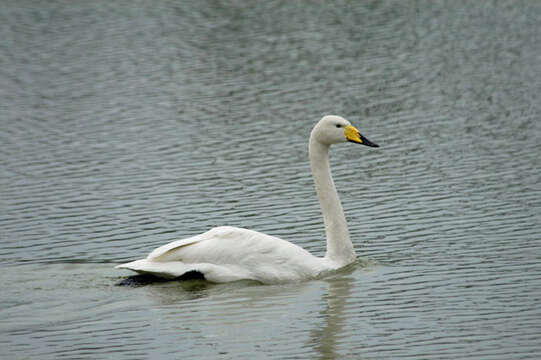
pixel 128 124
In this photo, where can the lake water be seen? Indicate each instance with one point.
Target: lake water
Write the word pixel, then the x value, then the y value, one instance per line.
pixel 125 125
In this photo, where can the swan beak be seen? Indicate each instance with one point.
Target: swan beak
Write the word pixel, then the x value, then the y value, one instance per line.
pixel 353 135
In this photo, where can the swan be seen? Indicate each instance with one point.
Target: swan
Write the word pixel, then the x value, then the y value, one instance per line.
pixel 226 253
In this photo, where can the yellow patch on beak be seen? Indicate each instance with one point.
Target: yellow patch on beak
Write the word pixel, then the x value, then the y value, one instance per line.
pixel 352 134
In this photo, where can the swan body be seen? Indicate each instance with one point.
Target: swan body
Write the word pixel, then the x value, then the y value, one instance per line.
pixel 226 253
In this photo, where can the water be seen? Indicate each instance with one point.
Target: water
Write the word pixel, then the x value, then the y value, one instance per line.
pixel 126 125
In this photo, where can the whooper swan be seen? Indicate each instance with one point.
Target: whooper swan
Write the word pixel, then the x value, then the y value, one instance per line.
pixel 226 253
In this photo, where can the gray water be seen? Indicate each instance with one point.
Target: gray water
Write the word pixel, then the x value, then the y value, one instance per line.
pixel 125 125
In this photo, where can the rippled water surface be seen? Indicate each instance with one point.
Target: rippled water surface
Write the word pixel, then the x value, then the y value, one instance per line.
pixel 126 125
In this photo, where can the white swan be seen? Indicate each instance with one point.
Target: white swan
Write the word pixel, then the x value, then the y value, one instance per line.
pixel 225 253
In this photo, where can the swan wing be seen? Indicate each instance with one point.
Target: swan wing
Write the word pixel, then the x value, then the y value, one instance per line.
pixel 231 245
pixel 157 253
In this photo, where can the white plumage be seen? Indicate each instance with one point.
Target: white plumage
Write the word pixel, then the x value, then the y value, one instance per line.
pixel 226 253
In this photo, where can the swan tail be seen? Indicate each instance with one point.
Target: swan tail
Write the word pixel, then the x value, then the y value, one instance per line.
pixel 166 270
pixel 176 270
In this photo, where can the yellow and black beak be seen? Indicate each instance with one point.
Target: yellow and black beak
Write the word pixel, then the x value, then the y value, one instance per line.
pixel 353 135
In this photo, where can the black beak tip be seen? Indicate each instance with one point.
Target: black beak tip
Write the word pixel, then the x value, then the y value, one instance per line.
pixel 367 142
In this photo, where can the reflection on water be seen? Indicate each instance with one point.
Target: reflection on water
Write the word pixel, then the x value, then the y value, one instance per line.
pixel 326 339
pixel 128 125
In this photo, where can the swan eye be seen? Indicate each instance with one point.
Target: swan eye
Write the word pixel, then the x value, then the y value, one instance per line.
pixel 338 125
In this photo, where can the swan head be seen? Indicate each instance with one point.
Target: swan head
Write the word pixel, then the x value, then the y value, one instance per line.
pixel 333 129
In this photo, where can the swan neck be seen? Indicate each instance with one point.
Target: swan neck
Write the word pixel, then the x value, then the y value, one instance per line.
pixel 339 247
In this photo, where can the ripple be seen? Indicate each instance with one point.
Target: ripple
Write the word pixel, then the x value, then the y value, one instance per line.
pixel 129 126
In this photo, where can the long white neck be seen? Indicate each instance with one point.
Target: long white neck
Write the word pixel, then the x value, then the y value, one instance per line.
pixel 339 247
